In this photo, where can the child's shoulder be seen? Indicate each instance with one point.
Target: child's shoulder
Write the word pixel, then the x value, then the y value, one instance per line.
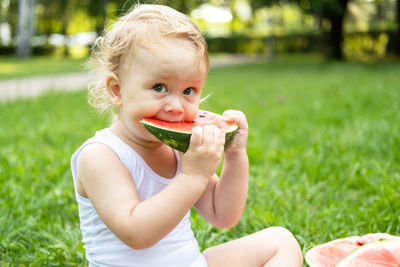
pixel 97 155
pixel 107 138
pixel 102 145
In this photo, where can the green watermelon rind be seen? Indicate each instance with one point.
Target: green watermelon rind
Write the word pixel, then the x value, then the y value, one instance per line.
pixel 180 140
pixel 366 247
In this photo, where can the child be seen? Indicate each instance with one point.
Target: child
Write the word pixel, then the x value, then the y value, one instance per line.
pixel 134 193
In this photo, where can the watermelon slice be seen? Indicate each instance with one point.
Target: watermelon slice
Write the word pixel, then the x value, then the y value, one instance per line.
pixel 331 253
pixel 177 134
pixel 375 254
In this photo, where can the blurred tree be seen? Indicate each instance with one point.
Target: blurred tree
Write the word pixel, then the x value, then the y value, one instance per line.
pixel 65 17
pixel 242 16
pixel 256 4
pixel 380 12
pixel 184 6
pixel 9 14
pixel 97 10
pixel 26 12
pixel 397 48
pixel 49 14
pixel 332 11
pixel 54 16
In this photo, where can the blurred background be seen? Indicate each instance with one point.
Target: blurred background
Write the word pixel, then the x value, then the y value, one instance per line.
pixel 320 89
pixel 362 30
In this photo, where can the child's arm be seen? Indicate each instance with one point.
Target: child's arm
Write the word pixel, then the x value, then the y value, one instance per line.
pixel 224 199
pixel 140 224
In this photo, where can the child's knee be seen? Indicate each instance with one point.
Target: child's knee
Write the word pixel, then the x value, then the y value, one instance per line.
pixel 287 241
pixel 284 234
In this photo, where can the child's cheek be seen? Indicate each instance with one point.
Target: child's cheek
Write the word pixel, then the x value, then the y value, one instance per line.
pixel 191 114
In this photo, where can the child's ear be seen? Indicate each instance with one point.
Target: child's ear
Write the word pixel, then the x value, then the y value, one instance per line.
pixel 114 89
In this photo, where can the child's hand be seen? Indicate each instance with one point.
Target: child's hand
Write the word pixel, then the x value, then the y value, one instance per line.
pixel 204 153
pixel 240 140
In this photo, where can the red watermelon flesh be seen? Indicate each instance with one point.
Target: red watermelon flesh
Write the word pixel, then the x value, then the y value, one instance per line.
pixel 331 253
pixel 203 118
pixel 375 254
pixel 177 134
pixel 377 259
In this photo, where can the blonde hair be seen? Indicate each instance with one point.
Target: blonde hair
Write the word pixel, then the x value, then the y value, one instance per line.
pixel 111 50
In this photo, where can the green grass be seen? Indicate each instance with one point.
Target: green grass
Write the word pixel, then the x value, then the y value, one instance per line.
pixel 13 67
pixel 324 149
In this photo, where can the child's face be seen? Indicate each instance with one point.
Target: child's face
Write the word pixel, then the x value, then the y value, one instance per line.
pixel 163 82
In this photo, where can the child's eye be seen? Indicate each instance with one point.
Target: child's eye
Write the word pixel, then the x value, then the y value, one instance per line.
pixel 160 88
pixel 189 91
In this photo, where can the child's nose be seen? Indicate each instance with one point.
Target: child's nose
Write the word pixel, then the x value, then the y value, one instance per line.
pixel 174 105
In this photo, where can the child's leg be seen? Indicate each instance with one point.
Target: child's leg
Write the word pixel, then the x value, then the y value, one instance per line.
pixel 273 246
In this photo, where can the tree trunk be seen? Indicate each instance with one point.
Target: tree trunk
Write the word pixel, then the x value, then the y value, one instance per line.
pixel 336 37
pixel 26 13
pixel 65 23
pixel 380 11
pixel 397 41
pixel 336 33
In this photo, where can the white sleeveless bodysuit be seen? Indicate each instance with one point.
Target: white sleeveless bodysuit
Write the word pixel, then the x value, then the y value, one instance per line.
pixel 178 249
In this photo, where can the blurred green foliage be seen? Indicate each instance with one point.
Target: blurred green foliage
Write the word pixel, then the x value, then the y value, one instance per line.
pixel 251 20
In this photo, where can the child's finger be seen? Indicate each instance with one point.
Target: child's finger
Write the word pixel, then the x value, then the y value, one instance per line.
pixel 195 139
pixel 208 135
pixel 232 115
pixel 217 138
pixel 220 137
pixel 237 117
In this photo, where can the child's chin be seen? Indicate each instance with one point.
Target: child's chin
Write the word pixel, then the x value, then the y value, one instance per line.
pixel 152 138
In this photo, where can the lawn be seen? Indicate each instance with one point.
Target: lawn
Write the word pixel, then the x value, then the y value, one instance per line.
pixel 13 67
pixel 324 150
